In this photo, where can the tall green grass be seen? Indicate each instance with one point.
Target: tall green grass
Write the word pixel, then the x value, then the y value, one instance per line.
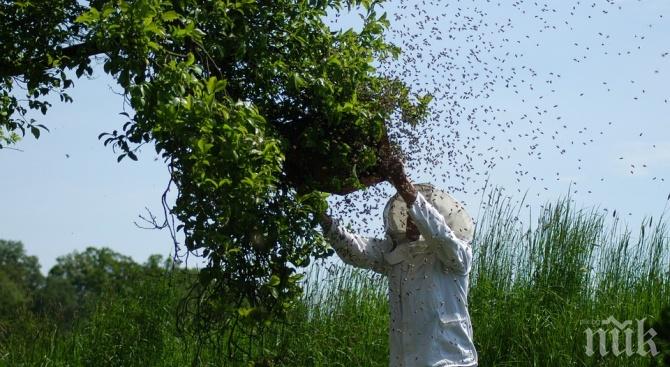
pixel 537 287
pixel 537 283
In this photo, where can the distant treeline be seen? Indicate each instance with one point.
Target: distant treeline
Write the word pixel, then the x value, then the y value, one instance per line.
pixel 73 287
pixel 93 308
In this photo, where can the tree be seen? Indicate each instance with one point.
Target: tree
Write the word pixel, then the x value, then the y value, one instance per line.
pixel 14 297
pixel 20 276
pixel 80 280
pixel 57 301
pixel 20 279
pixel 258 108
pixel 93 271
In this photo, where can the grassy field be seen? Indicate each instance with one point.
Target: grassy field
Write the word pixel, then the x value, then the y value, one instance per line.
pixel 536 288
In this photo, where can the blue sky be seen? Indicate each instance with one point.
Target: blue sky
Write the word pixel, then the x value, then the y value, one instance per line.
pixel 66 191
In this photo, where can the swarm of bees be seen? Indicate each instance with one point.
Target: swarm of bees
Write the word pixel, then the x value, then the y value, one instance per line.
pixel 520 84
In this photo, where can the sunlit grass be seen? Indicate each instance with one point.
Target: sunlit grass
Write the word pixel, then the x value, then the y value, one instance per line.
pixel 537 288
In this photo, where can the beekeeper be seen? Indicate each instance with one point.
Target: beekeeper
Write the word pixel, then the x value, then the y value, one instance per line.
pixel 427 257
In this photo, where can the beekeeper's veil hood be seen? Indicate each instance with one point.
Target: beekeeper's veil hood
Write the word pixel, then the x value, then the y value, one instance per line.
pixel 457 218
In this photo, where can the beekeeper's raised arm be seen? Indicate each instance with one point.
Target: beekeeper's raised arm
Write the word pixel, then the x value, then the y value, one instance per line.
pixel 454 252
pixel 354 249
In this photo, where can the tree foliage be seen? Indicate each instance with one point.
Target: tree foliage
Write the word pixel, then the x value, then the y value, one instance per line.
pixel 258 107
pixel 94 271
pixel 20 280
pixel 20 277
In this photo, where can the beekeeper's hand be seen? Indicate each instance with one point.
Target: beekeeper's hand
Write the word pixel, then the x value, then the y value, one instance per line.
pixel 395 172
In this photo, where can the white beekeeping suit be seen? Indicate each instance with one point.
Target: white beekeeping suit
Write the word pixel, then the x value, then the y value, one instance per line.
pixel 428 278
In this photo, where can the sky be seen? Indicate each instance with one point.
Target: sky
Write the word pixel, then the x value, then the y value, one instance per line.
pixel 599 129
pixel 66 191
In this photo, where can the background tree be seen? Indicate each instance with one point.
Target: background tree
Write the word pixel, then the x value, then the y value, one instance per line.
pixel 57 301
pixel 78 280
pixel 258 108
pixel 94 271
pixel 20 278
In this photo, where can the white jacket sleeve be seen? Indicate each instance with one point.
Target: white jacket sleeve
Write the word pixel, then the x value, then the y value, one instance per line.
pixel 454 253
pixel 359 251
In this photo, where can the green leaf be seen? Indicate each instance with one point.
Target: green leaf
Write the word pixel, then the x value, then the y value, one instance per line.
pixel 169 16
pixel 204 146
pixel 220 86
pixel 190 59
pixel 297 81
pixel 245 311
pixel 274 281
pixel 211 85
pixel 89 17
pixel 153 45
pixel 35 131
